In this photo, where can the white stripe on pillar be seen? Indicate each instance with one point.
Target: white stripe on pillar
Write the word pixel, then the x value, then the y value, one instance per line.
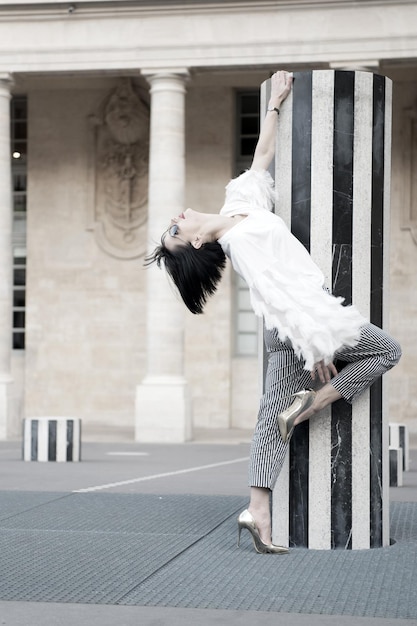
pixel 362 193
pixel 283 163
pixel 385 303
pixel 361 284
pixel 387 196
pixel 322 172
pixel 61 440
pixel 319 492
pixel 283 185
pixel 43 439
pixel 27 440
pixel 76 441
pixel 319 501
pixel 360 473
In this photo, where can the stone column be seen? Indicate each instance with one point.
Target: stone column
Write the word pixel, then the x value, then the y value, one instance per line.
pixel 6 255
pixel 163 406
pixel 333 183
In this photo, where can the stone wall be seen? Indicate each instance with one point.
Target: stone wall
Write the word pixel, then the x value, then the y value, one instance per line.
pixel 85 333
pixel 402 381
pixel 85 309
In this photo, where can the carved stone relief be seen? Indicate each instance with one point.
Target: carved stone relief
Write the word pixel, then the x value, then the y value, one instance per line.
pixel 121 129
pixel 410 174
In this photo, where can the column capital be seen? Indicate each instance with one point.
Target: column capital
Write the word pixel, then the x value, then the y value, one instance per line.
pixel 163 73
pixel 6 79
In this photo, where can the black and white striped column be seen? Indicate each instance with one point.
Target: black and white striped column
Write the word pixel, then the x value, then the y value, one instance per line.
pixel 52 439
pixel 333 183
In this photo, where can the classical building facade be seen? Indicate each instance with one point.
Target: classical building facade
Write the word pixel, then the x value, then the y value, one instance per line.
pixel 114 117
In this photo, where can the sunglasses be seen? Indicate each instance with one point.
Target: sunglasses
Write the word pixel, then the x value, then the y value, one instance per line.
pixel 173 230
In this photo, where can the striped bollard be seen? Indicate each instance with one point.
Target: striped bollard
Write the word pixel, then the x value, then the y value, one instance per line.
pixel 398 438
pixel 52 439
pixel 395 467
pixel 332 178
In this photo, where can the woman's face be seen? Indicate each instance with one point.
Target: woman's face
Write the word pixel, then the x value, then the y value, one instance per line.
pixel 183 229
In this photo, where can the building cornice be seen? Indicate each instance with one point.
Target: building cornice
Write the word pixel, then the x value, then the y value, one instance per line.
pixel 86 38
pixel 53 8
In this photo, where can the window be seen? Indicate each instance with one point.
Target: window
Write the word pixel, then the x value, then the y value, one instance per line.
pixel 247 131
pixel 19 298
pixel 18 115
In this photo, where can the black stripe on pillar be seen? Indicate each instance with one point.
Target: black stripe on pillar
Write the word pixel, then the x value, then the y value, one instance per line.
pixel 34 440
pixel 344 89
pixel 341 428
pixel 377 218
pixel 376 305
pixel 298 492
pixel 52 426
pixel 341 475
pixel 70 440
pixel 301 157
pixel 376 496
pixel 402 443
pixel 393 468
pixel 300 227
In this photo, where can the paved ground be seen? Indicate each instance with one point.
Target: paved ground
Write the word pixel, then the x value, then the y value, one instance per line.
pixel 142 534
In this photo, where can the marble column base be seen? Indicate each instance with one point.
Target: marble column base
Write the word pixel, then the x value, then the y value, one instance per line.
pixel 5 404
pixel 163 410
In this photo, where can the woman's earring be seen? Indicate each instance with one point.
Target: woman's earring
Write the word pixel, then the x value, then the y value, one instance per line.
pixel 198 241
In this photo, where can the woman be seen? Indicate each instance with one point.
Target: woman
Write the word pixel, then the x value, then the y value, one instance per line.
pixel 306 327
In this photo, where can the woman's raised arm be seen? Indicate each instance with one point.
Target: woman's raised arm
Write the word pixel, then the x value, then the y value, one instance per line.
pixel 265 148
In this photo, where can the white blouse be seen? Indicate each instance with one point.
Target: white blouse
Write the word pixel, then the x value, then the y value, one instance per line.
pixel 286 286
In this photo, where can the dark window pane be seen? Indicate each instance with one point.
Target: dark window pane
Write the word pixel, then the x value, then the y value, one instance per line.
pixel 19 108
pixel 18 319
pixel 19 181
pixel 19 276
pixel 247 146
pixel 19 260
pixel 19 204
pixel 19 298
pixel 250 104
pixel 19 130
pixel 249 125
pixel 19 341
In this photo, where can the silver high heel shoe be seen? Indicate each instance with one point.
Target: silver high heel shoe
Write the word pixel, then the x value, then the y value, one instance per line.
pixel 303 400
pixel 245 520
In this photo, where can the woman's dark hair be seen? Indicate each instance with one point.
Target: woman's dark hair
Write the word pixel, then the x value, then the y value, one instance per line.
pixel 195 273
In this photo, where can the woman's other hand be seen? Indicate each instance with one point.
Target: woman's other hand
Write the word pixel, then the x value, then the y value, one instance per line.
pixel 324 372
pixel 265 148
pixel 280 88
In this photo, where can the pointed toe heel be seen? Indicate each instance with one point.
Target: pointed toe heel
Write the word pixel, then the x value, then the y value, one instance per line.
pixel 246 520
pixel 303 400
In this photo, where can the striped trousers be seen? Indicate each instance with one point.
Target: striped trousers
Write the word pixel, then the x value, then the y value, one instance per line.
pixel 375 353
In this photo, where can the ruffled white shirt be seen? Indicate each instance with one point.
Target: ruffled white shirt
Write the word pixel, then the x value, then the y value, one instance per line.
pixel 286 286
